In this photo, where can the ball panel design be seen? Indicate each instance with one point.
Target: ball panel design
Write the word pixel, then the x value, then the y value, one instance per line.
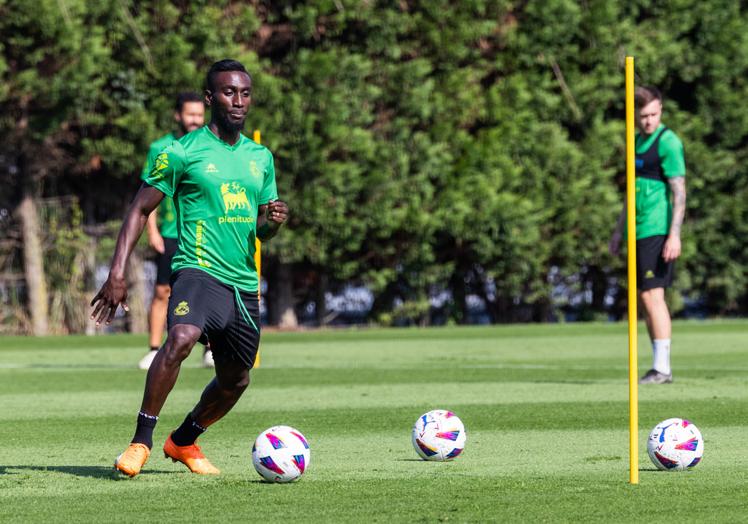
pixel 281 454
pixel 438 435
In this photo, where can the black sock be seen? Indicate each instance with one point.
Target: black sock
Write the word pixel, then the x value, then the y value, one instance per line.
pixel 187 433
pixel 144 430
pixel 154 348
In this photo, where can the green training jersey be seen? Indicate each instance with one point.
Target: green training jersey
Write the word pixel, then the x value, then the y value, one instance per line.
pixel 654 209
pixel 167 215
pixel 217 189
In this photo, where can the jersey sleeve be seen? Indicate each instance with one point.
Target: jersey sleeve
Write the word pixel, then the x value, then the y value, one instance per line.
pixel 149 160
pixel 167 170
pixel 672 157
pixel 269 190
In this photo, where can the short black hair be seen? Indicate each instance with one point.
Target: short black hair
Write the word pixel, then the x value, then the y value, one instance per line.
pixel 184 97
pixel 222 66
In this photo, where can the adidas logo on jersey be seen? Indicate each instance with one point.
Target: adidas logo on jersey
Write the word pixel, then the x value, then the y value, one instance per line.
pixel 211 168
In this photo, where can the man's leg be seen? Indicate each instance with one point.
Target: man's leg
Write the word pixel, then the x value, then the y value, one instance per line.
pixel 161 378
pixel 219 396
pixel 660 329
pixel 164 371
pixel 157 322
pixel 157 315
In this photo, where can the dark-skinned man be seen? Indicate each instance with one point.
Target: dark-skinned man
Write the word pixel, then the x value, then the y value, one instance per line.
pixel 189 115
pixel 225 195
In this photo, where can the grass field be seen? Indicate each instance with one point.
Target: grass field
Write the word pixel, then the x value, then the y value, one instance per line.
pixel 545 409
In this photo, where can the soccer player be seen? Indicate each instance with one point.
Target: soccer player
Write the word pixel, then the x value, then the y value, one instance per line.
pixel 223 185
pixel 189 115
pixel 660 209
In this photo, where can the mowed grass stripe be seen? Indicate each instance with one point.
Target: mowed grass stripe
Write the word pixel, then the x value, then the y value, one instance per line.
pixel 353 421
pixel 530 479
pixel 494 453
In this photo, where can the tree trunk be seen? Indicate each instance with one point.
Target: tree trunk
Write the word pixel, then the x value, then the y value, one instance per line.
pixel 283 302
pixel 33 264
pixel 320 301
pixel 138 316
pixel 459 296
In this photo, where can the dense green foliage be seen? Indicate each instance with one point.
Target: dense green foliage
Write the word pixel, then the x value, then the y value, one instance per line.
pixel 544 407
pixel 472 146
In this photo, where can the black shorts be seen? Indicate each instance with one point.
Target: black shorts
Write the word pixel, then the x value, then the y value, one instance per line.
pixel 651 269
pixel 204 301
pixel 163 261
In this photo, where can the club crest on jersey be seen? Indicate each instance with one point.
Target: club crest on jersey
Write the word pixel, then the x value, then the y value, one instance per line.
pixel 234 197
pixel 182 309
pixel 254 170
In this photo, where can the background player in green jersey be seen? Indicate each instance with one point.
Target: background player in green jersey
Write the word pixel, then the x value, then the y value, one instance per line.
pixel 223 185
pixel 660 208
pixel 189 115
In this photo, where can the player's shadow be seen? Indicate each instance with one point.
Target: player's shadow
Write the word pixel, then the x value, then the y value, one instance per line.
pixel 96 472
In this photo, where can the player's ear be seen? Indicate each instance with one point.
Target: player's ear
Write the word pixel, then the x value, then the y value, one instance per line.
pixel 208 97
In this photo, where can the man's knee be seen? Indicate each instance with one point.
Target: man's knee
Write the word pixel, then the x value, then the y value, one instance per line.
pixel 162 293
pixel 180 341
pixel 235 381
pixel 652 297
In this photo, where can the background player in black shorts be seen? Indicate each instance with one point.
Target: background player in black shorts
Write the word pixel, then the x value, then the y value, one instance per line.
pixel 660 209
pixel 189 114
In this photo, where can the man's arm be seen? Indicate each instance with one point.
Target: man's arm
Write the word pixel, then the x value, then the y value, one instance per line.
pixel 114 291
pixel 672 247
pixel 270 217
pixel 154 235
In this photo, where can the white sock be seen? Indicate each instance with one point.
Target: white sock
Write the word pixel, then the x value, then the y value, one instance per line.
pixel 661 355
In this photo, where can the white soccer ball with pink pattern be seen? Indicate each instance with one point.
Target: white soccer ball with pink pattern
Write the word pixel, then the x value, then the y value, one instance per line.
pixel 439 435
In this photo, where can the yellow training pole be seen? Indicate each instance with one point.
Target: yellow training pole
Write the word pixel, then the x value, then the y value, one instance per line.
pixel 631 240
pixel 258 253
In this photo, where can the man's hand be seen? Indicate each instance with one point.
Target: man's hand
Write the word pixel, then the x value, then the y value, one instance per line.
pixel 111 295
pixel 156 241
pixel 277 212
pixel 614 247
pixel 671 249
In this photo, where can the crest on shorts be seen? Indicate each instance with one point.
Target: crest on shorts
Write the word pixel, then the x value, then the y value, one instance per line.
pixel 182 309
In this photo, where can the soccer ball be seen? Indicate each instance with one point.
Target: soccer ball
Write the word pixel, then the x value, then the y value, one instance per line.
pixel 675 444
pixel 280 454
pixel 439 435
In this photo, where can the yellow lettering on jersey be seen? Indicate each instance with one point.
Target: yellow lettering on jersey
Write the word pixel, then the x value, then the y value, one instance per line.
pixel 199 243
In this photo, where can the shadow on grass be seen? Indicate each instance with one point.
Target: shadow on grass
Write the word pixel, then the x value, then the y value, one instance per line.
pixel 96 472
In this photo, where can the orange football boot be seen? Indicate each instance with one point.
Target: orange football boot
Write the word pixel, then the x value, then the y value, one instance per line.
pixel 191 456
pixel 132 459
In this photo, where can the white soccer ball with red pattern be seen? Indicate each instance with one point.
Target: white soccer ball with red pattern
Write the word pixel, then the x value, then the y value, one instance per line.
pixel 439 435
pixel 281 454
pixel 675 444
